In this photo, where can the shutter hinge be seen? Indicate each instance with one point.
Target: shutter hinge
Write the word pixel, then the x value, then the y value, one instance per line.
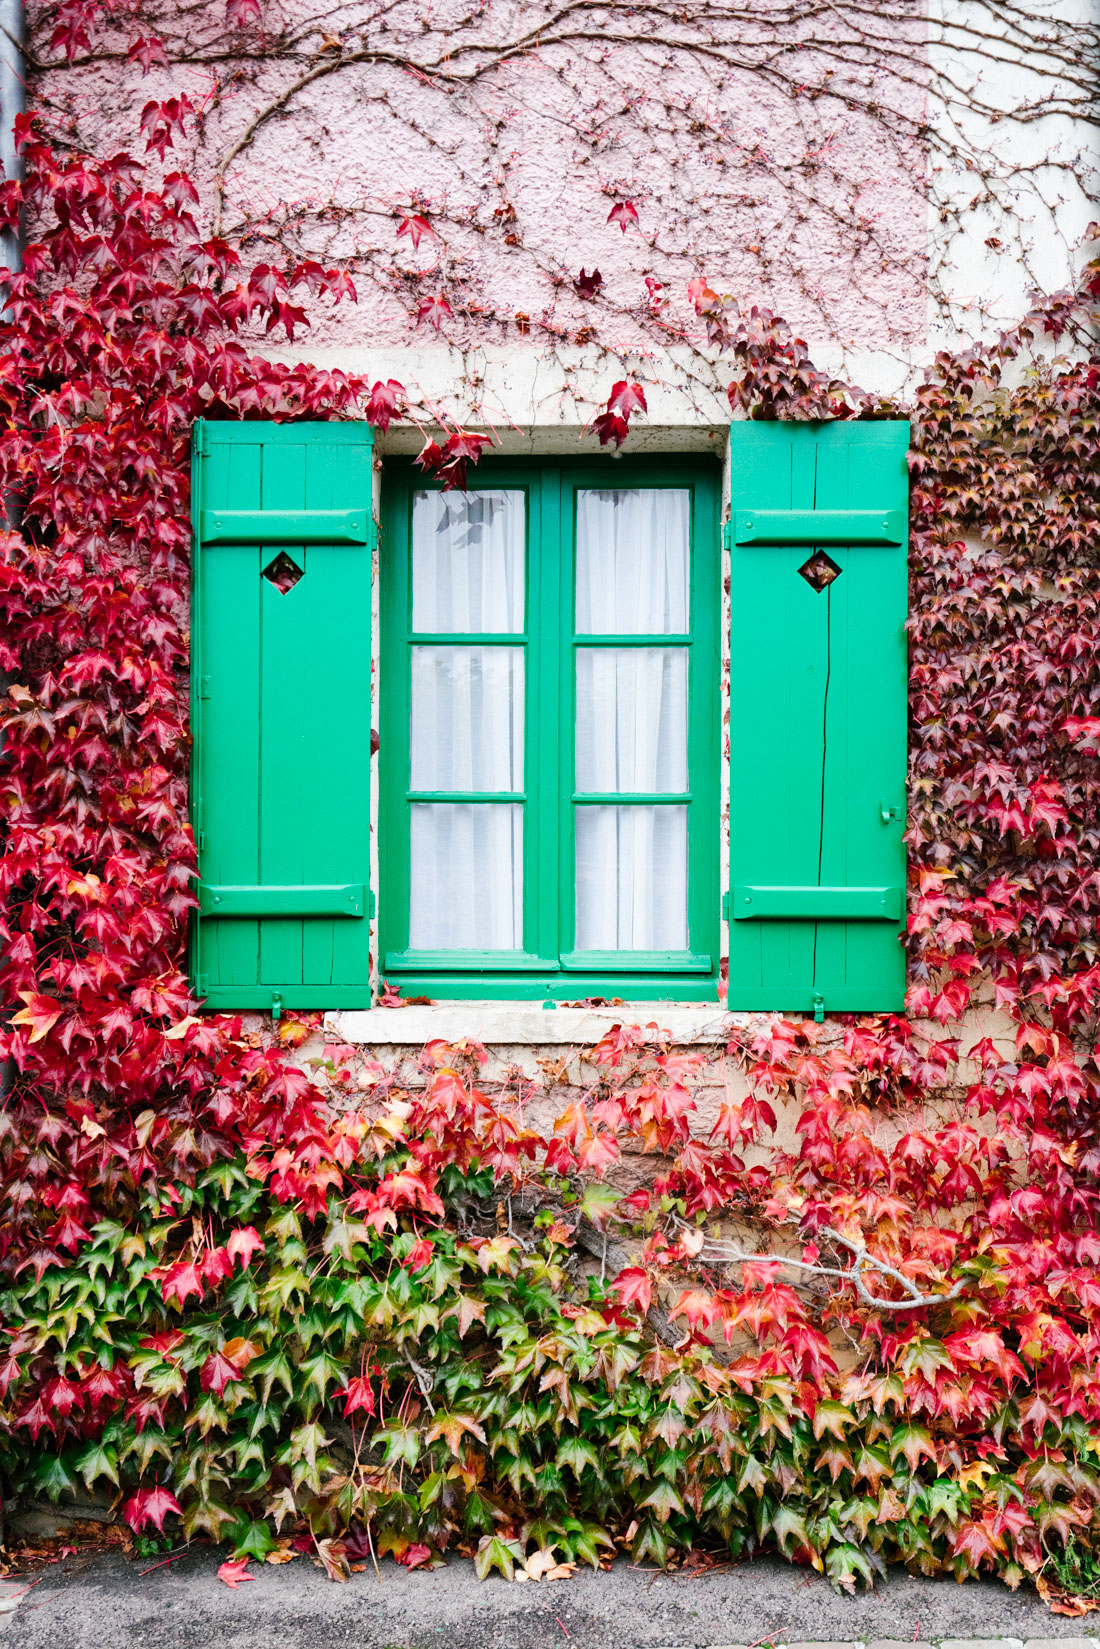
pixel 200 437
pixel 725 907
pixel 204 687
pixel 888 812
pixel 819 1009
pixel 371 907
pixel 727 535
pixel 276 1007
pixel 200 841
pixel 202 984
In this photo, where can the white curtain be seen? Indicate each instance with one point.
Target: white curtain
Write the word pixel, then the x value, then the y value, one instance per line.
pixel 466 731
pixel 633 578
pixel 631 878
pixel 467 876
pixel 632 719
pixel 468 562
pixel 633 562
pixel 467 718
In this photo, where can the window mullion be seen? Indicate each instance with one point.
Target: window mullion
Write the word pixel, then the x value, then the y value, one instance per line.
pixel 542 773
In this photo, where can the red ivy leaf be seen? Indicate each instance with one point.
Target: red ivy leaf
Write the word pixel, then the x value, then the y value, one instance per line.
pixel 181 1280
pixel 624 213
pixel 359 1395
pixel 243 1243
pixel 150 1506
pixel 433 310
pixel 627 397
pixel 586 286
pixel 149 52
pixel 415 225
pixel 613 424
pixel 414 1556
pixel 385 402
pixel 41 1013
pixel 634 1287
pixel 217 1372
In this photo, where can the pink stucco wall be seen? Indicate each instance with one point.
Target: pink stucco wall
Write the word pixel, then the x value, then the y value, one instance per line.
pixel 794 179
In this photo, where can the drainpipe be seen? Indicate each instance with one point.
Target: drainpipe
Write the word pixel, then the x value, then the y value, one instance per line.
pixel 13 99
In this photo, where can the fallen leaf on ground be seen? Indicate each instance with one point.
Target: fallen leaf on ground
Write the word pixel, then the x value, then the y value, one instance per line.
pixel 234 1571
pixel 333 1560
pixel 539 1564
pixel 1064 1603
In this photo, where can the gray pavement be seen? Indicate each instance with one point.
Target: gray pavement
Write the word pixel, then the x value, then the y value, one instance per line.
pixel 107 1603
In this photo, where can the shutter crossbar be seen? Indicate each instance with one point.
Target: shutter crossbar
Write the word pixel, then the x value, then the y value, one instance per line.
pixel 845 904
pixel 337 899
pixel 283 526
pixel 784 527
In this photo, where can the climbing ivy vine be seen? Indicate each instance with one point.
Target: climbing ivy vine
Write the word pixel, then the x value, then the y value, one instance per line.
pixel 255 1284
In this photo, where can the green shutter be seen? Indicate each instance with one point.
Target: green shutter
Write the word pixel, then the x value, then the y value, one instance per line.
pixel 818 686
pixel 281 714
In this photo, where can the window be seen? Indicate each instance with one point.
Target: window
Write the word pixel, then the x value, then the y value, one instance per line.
pixel 549 695
pixel 549 819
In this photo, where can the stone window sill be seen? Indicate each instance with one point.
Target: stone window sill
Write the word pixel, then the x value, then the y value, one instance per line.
pixel 510 1024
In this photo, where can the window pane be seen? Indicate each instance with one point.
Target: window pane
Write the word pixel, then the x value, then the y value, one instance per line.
pixel 632 718
pixel 631 887
pixel 467 562
pixel 467 876
pixel 633 561
pixel 467 718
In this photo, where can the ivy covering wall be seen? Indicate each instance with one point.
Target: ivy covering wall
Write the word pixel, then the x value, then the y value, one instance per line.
pixel 337 1311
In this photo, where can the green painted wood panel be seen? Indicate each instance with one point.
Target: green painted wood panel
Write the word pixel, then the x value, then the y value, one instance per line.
pixel 818 686
pixel 347 899
pixel 752 903
pixel 281 768
pixel 819 527
pixel 284 526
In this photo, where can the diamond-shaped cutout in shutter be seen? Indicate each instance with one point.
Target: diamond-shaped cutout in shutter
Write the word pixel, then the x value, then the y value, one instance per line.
pixel 819 571
pixel 284 572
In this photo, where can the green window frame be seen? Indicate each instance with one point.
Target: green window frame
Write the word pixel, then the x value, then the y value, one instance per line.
pixel 548 967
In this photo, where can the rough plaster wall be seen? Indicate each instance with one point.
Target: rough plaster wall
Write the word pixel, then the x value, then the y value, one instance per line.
pixel 805 203
pixel 562 1072
pixel 748 202
pixel 987 280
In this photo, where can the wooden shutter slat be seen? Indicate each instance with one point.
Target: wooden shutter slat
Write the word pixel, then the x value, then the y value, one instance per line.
pixel 780 527
pixel 284 526
pixel 752 903
pixel 336 899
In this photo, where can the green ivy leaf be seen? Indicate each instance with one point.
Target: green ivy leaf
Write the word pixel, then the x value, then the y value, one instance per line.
pixel 494 1553
pixel 842 1565
pixel 99 1459
pixel 250 1539
pixel 53 1478
pixel 651 1541
pixel 664 1499
pixel 598 1203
